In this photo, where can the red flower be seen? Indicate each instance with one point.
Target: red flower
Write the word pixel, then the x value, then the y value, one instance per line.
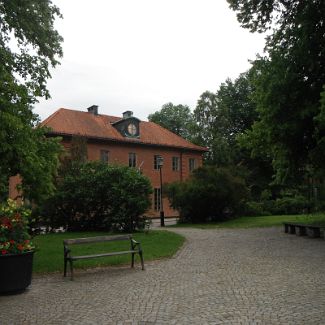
pixel 11 241
pixel 4 252
pixel 20 247
pixel 6 222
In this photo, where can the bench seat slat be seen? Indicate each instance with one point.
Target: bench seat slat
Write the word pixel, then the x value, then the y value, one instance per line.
pixel 303 225
pixel 99 239
pixel 101 255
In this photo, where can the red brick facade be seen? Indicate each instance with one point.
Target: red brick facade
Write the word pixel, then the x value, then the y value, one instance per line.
pixel 151 140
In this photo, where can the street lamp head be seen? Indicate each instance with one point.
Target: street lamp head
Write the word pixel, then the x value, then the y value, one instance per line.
pixel 160 161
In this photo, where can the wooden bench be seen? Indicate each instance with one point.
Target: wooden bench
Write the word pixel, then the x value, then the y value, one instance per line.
pixel 302 229
pixel 135 248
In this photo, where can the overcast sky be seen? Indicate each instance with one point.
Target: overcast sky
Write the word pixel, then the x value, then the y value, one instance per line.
pixel 138 55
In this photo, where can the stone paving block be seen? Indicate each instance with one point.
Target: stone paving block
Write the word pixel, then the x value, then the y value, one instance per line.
pixel 220 276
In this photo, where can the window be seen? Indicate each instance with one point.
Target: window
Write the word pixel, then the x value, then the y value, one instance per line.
pixel 104 154
pixel 156 160
pixel 157 199
pixel 175 163
pixel 132 159
pixel 192 164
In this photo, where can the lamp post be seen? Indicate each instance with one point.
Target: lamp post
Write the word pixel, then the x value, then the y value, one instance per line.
pixel 160 162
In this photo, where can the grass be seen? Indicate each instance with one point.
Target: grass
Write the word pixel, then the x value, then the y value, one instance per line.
pixel 264 221
pixel 49 254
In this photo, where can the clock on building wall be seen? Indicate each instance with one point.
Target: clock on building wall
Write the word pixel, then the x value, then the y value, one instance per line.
pixel 128 126
pixel 132 129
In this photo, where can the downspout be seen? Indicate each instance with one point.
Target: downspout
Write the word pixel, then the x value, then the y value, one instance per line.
pixel 181 163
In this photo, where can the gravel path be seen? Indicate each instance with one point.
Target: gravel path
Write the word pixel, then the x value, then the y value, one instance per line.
pixel 221 276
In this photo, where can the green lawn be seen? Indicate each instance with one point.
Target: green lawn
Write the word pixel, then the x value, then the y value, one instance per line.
pixel 265 221
pixel 49 254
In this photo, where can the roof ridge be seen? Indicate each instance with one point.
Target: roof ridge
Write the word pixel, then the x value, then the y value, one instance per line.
pixel 79 111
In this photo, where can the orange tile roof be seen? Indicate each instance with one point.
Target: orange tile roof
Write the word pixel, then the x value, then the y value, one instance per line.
pixel 71 122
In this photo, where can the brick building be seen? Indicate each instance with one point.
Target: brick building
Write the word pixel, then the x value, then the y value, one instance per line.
pixel 129 141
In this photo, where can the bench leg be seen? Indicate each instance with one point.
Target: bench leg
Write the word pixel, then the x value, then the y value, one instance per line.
pixel 292 229
pixel 315 233
pixel 132 260
pixel 141 258
pixel 300 231
pixel 65 267
pixel 71 269
pixel 286 229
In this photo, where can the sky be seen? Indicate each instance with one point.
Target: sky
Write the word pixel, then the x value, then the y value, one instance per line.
pixel 139 55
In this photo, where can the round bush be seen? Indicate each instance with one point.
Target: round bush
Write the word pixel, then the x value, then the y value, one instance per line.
pixel 210 194
pixel 97 196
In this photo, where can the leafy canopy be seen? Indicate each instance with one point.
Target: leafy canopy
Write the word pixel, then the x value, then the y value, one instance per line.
pixel 176 118
pixel 222 116
pixel 289 82
pixel 29 45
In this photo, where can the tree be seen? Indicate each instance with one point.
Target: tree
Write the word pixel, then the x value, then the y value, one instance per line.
pixel 77 154
pixel 97 196
pixel 318 153
pixel 175 118
pixel 222 116
pixel 210 194
pixel 27 50
pixel 289 81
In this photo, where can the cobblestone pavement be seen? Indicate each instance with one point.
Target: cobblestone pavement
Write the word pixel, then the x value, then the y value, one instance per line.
pixel 253 276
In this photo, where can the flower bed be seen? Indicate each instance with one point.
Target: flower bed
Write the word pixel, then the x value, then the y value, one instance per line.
pixel 14 237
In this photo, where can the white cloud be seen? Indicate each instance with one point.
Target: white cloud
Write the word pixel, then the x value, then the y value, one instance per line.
pixel 141 54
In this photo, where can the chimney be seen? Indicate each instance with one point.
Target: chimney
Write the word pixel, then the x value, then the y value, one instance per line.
pixel 93 109
pixel 127 114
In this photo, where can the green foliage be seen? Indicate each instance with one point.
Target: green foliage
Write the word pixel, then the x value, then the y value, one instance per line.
pixel 288 83
pixel 176 118
pixel 285 203
pixel 223 116
pixel 77 154
pixel 291 205
pixel 318 153
pixel 223 120
pixel 210 194
pixel 28 46
pixel 253 208
pixel 14 237
pixel 97 196
pixel 26 151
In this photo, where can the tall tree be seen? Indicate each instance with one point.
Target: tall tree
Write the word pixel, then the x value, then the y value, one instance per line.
pixel 289 80
pixel 176 118
pixel 29 45
pixel 222 116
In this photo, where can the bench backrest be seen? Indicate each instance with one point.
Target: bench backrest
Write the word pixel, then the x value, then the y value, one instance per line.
pixel 98 239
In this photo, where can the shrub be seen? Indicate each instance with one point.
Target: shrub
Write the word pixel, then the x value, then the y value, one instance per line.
pixel 14 237
pixel 97 196
pixel 210 194
pixel 291 205
pixel 253 208
pixel 289 202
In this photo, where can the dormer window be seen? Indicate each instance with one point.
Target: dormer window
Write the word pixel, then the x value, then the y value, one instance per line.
pixel 128 126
